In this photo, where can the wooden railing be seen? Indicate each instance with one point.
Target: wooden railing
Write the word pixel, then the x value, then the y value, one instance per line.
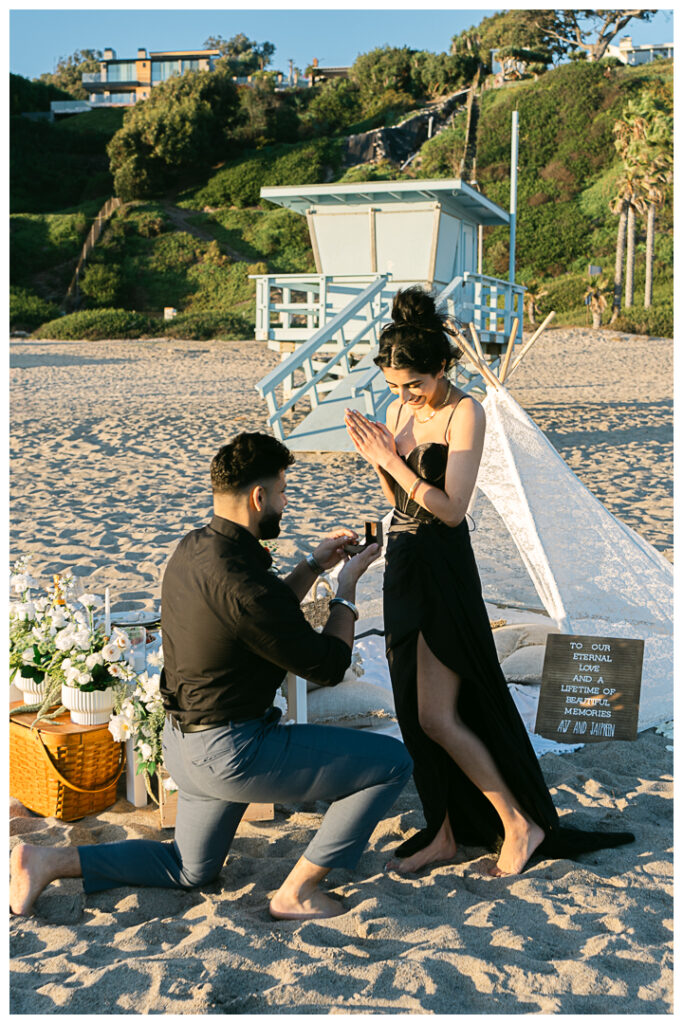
pixel 491 305
pixel 96 229
pixel 326 354
pixel 283 301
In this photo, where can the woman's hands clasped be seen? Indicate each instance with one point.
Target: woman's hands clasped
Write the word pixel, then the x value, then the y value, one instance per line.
pixel 374 441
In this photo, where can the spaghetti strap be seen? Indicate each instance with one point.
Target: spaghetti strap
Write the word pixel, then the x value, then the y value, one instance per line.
pixel 448 424
pixel 398 419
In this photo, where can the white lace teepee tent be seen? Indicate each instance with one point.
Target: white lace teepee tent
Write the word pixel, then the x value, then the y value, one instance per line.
pixel 593 574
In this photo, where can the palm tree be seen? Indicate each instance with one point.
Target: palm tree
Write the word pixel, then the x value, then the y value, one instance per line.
pixel 594 298
pixel 533 295
pixel 654 155
pixel 655 198
pixel 623 204
pixel 644 141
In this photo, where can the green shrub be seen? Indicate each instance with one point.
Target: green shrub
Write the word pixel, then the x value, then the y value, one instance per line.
pixel 565 293
pixel 384 108
pixel 184 125
pixel 100 324
pixel 149 220
pixel 440 157
pixel 28 311
pixel 383 170
pixel 27 96
pixel 100 284
pixel 658 321
pixel 219 288
pixel 239 183
pixel 39 242
pixel 282 236
pixel 210 324
pixel 52 168
pixel 336 105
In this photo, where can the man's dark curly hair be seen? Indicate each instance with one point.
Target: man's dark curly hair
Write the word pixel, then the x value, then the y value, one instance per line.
pixel 246 460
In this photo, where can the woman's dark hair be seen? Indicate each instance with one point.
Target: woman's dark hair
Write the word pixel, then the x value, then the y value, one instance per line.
pixel 416 339
pixel 246 460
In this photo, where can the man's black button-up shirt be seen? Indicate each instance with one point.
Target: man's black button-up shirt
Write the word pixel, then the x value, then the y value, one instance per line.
pixel 231 629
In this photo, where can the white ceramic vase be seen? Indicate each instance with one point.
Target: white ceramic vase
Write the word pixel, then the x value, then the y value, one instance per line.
pixel 88 707
pixel 31 691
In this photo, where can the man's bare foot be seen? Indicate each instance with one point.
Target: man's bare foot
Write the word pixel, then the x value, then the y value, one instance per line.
pixel 442 848
pixel 34 867
pixel 288 907
pixel 520 843
pixel 300 899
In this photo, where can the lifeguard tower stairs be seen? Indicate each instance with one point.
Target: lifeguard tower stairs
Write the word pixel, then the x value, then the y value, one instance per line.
pixel 370 239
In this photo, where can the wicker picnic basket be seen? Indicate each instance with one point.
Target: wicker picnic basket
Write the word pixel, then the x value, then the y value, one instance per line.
pixel 62 770
pixel 317 610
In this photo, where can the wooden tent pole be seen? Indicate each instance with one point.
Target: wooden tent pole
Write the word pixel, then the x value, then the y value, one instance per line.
pixel 477 343
pixel 489 377
pixel 508 352
pixel 530 342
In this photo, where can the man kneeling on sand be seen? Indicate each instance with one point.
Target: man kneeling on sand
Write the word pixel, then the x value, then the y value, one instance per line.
pixel 231 630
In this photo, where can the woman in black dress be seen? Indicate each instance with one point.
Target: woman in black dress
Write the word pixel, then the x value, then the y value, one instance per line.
pixel 475 769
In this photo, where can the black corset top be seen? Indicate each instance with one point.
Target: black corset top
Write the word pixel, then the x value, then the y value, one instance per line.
pixel 428 460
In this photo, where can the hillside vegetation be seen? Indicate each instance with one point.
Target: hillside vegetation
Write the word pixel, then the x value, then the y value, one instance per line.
pixel 198 231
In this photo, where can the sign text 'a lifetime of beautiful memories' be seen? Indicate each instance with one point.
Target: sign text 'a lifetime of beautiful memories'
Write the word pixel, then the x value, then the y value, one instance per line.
pixel 590 689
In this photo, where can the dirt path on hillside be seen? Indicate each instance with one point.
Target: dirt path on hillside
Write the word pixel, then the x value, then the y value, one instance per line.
pixel 181 218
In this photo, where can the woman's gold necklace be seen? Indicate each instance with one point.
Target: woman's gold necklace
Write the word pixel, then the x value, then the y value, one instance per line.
pixel 440 406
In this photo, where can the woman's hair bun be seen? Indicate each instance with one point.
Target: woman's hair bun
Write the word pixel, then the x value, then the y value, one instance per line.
pixel 417 337
pixel 415 307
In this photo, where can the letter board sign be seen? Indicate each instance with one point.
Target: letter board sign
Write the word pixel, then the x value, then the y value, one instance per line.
pixel 590 689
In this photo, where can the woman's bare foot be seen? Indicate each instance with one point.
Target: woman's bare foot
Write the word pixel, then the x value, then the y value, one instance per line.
pixel 34 867
pixel 518 846
pixel 299 899
pixel 442 848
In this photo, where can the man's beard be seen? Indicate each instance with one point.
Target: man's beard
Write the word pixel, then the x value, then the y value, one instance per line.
pixel 269 526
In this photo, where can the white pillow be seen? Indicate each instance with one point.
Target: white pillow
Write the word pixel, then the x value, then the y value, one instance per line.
pixel 354 704
pixel 524 665
pixel 522 634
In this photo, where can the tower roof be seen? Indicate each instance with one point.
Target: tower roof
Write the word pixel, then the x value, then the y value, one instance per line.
pixel 454 195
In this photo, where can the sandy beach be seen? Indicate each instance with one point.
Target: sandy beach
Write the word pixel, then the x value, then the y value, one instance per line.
pixel 110 447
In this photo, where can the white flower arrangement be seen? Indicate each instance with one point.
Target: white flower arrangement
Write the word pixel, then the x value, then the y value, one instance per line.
pixel 139 715
pixel 56 639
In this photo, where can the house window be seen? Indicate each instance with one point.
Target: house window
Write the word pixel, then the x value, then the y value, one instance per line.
pixel 121 72
pixel 163 69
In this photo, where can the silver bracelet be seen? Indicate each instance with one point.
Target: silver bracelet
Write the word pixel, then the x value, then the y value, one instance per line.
pixel 313 563
pixel 347 604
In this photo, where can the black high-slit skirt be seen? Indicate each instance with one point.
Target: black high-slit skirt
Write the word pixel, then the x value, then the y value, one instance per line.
pixel 432 586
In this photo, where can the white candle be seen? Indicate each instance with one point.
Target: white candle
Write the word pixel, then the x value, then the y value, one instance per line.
pixel 107 613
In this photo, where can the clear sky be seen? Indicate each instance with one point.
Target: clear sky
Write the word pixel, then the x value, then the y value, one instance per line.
pixel 38 38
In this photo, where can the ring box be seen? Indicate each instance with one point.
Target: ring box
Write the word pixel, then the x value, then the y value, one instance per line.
pixel 373 535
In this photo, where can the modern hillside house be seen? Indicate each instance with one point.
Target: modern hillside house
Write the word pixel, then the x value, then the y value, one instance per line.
pixel 629 54
pixel 121 82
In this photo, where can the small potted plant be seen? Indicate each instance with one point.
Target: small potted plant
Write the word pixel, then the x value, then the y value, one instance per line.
pixel 94 666
pixel 34 625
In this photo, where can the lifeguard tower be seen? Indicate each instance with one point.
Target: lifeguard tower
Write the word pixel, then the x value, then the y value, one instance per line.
pixel 370 239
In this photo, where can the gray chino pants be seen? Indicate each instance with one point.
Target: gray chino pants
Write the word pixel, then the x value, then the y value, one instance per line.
pixel 219 771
